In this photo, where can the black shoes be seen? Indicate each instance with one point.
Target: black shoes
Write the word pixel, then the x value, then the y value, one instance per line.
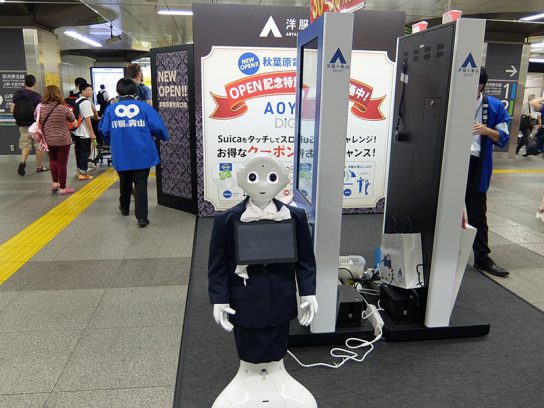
pixel 490 267
pixel 143 222
pixel 123 212
pixel 21 169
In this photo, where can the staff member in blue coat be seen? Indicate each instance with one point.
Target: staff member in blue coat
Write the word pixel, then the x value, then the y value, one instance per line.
pixel 490 128
pixel 129 127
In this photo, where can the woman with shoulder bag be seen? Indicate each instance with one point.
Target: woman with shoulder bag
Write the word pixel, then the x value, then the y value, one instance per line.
pixel 53 116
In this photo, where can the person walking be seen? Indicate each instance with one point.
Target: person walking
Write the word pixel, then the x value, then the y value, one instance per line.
pixel 23 106
pixel 84 135
pixel 129 127
pixel 137 75
pixel 53 116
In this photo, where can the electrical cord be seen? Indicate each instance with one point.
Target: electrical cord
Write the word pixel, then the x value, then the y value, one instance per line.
pixel 346 269
pixel 348 353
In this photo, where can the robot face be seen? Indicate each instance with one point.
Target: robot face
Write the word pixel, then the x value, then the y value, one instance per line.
pixel 262 177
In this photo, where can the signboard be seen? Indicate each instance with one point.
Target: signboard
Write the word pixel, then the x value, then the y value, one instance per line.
pixel 107 77
pixel 248 99
pixel 502 65
pixel 318 7
pixel 173 97
pixel 10 82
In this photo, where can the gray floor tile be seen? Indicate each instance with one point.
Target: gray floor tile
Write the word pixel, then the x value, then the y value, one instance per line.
pixel 537 248
pixel 495 239
pixel 526 283
pixel 518 235
pixel 35 360
pixel 63 275
pixel 6 298
pixel 23 400
pixel 101 245
pixel 50 310
pixel 151 397
pixel 178 242
pixel 134 307
pixel 152 272
pixel 515 257
pixel 121 358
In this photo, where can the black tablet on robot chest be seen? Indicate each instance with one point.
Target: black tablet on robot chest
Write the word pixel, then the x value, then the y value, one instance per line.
pixel 265 242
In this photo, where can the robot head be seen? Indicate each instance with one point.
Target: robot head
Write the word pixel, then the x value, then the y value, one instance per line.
pixel 262 177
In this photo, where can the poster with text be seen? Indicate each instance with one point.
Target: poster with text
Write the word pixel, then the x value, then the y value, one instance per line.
pixel 248 99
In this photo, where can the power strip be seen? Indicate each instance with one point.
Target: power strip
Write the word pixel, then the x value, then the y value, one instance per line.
pixel 375 319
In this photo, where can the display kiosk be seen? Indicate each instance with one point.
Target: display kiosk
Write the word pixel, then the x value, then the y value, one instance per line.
pixel 436 88
pixel 323 75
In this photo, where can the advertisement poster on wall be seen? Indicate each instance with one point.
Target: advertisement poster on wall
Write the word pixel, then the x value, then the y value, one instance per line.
pixel 10 82
pixel 248 108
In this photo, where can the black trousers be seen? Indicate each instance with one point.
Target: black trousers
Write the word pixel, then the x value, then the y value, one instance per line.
pixel 82 149
pixel 524 139
pixel 139 178
pixel 476 203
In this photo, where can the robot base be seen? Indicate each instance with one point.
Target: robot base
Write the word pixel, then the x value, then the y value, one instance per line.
pixel 264 385
pixel 463 323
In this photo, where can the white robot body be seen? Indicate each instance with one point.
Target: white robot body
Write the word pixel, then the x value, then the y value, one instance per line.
pixel 264 385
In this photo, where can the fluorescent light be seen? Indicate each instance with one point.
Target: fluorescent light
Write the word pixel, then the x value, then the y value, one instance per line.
pixel 537 60
pixel 82 38
pixel 538 45
pixel 175 12
pixel 533 17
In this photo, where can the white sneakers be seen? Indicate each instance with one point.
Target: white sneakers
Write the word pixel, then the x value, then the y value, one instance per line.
pixel 540 215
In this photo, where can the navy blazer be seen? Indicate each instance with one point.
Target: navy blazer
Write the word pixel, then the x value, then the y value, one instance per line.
pixel 269 297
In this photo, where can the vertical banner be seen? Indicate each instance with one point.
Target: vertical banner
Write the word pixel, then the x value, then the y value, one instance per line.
pixel 173 95
pixel 12 77
pixel 248 99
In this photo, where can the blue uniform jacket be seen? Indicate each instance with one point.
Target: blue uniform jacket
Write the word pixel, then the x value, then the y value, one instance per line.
pixel 269 299
pixel 496 114
pixel 128 126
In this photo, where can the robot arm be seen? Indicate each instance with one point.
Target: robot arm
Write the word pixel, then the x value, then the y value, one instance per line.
pixel 221 314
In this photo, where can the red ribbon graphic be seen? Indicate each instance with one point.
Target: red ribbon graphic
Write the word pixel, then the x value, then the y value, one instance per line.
pixel 284 83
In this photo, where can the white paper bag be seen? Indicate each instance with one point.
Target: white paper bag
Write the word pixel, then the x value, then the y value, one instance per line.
pixel 402 263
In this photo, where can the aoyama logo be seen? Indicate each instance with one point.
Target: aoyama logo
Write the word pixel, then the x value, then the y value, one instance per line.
pixel 127 111
pixel 270 27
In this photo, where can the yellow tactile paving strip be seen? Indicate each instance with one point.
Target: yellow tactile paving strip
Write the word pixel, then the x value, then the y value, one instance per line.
pixel 518 171
pixel 19 249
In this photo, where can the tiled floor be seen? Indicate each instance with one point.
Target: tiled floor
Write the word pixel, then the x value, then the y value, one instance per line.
pixel 94 319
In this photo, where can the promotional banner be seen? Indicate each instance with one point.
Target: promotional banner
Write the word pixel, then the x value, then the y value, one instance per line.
pixel 172 98
pixel 10 82
pixel 248 99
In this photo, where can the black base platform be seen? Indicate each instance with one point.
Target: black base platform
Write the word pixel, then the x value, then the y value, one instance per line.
pixel 464 322
pixel 300 336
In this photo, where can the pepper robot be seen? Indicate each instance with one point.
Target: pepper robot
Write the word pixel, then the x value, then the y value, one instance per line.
pixel 258 301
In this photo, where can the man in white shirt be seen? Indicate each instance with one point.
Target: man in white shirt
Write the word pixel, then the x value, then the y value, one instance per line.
pixel 84 135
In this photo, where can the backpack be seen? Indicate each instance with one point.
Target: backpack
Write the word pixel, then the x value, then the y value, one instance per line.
pixel 72 103
pixel 24 111
pixel 100 98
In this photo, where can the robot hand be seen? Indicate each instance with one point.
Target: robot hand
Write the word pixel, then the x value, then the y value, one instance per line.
pixel 220 314
pixel 308 304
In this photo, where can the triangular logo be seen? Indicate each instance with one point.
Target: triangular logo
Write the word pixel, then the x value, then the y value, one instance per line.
pixel 338 56
pixel 469 61
pixel 269 27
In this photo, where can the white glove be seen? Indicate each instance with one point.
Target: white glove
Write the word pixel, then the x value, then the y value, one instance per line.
pixel 221 312
pixel 308 306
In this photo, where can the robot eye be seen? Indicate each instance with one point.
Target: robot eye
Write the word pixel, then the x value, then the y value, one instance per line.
pixel 252 177
pixel 273 177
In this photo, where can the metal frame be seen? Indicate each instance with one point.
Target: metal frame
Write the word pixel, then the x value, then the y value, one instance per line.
pixel 334 31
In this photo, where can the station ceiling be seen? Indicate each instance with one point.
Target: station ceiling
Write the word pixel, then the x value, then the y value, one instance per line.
pixel 141 28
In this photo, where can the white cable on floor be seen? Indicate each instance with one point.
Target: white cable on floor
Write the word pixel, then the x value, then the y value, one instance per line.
pixel 345 354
